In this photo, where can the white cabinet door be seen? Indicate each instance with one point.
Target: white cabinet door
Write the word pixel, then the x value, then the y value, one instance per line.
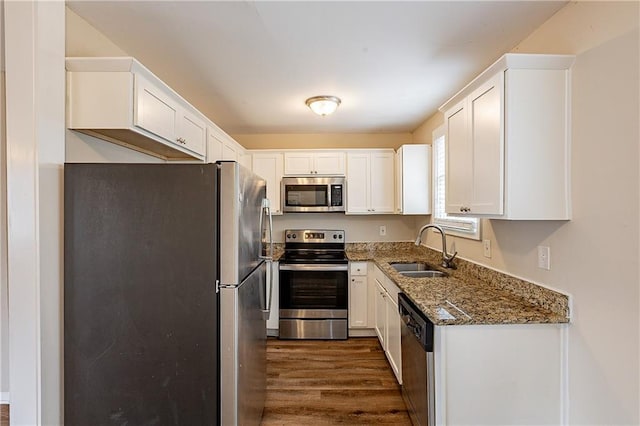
pixel 358 172
pixel 475 151
pixel 298 163
pixel 457 158
pixel 155 111
pixel 413 179
pixel 314 163
pixel 382 180
pixel 358 295
pixel 214 146
pixel 230 151
pixel 393 337
pixel 192 132
pixel 370 182
pixel 329 163
pixel 381 314
pixel 269 166
pixel 358 301
pixel 486 124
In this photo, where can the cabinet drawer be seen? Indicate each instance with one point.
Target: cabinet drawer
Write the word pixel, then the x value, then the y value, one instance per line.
pixel 358 268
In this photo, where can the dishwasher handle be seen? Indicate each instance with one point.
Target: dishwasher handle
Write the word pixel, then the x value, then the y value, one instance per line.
pixel 416 321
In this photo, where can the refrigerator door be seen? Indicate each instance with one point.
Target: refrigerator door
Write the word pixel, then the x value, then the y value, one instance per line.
pixel 140 303
pixel 241 195
pixel 243 336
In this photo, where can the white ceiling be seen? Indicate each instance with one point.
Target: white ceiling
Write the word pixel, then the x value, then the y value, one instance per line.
pixel 250 65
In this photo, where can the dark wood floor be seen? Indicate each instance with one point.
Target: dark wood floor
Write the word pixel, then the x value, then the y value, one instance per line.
pixel 4 415
pixel 320 382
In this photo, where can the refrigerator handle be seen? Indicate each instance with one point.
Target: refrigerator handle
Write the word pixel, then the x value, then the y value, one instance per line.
pixel 268 294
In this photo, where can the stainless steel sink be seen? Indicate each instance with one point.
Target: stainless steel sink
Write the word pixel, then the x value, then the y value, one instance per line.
pixel 413 266
pixel 417 270
pixel 423 274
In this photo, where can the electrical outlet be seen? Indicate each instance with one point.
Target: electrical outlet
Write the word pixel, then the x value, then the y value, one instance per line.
pixel 383 231
pixel 486 248
pixel 544 257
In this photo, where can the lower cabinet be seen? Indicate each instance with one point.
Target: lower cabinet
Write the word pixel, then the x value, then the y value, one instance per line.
pixel 388 322
pixel 358 295
pixel 504 374
pixel 274 317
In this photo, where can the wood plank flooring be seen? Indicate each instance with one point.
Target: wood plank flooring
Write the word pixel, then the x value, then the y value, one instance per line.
pixel 324 382
pixel 4 414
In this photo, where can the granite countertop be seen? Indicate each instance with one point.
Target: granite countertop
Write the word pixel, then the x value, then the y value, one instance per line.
pixel 472 294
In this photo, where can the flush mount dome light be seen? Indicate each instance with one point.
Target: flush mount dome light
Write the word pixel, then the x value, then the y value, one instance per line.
pixel 323 105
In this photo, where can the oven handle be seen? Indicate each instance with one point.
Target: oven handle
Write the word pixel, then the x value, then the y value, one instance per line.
pixel 314 267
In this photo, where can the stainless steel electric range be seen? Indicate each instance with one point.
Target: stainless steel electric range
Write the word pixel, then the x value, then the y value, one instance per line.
pixel 314 285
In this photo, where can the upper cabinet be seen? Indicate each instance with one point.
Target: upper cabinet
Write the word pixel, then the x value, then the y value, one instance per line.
pixel 269 166
pixel 121 101
pixel 413 179
pixel 370 181
pixel 508 141
pixel 311 162
pixel 221 146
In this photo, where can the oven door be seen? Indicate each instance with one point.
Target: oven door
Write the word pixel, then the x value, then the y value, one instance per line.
pixel 313 290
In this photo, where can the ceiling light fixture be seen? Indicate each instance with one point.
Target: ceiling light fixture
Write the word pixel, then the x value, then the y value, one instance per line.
pixel 323 105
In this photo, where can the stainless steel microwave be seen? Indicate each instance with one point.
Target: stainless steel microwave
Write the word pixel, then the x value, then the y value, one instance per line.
pixel 313 194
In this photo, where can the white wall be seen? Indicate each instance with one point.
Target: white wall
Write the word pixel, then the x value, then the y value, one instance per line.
pixel 595 256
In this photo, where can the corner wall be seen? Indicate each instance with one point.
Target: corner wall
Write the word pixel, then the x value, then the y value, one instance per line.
pixel 595 256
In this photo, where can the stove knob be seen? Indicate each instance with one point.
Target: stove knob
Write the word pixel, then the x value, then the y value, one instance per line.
pixel 294 236
pixel 288 236
pixel 335 236
pixel 340 236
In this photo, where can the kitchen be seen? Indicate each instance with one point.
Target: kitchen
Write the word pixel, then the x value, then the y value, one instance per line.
pixel 595 262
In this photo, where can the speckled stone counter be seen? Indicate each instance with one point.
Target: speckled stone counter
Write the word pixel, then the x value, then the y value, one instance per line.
pixel 278 251
pixel 472 294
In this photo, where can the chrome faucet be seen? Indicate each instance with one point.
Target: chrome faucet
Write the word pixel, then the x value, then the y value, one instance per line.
pixel 447 261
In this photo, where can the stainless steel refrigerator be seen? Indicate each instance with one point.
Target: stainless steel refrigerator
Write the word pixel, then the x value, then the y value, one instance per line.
pixel 165 294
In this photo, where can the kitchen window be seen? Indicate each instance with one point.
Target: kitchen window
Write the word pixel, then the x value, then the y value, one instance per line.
pixel 466 227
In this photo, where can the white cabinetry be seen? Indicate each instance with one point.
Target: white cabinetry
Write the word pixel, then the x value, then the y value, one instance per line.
pixel 221 146
pixel 269 165
pixel 370 181
pixel 388 322
pixel 299 163
pixel 501 374
pixel 358 295
pixel 507 141
pixel 121 101
pixel 274 316
pixel 413 179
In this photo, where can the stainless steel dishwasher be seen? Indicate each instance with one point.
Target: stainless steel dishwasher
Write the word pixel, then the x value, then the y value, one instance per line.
pixel 418 382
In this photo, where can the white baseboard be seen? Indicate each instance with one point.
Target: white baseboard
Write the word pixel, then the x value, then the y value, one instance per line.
pixel 362 332
pixel 5 398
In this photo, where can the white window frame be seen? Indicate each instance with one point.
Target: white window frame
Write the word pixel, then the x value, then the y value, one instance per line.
pixel 465 227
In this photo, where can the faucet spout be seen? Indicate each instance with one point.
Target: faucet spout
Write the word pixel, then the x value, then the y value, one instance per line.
pixel 447 260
